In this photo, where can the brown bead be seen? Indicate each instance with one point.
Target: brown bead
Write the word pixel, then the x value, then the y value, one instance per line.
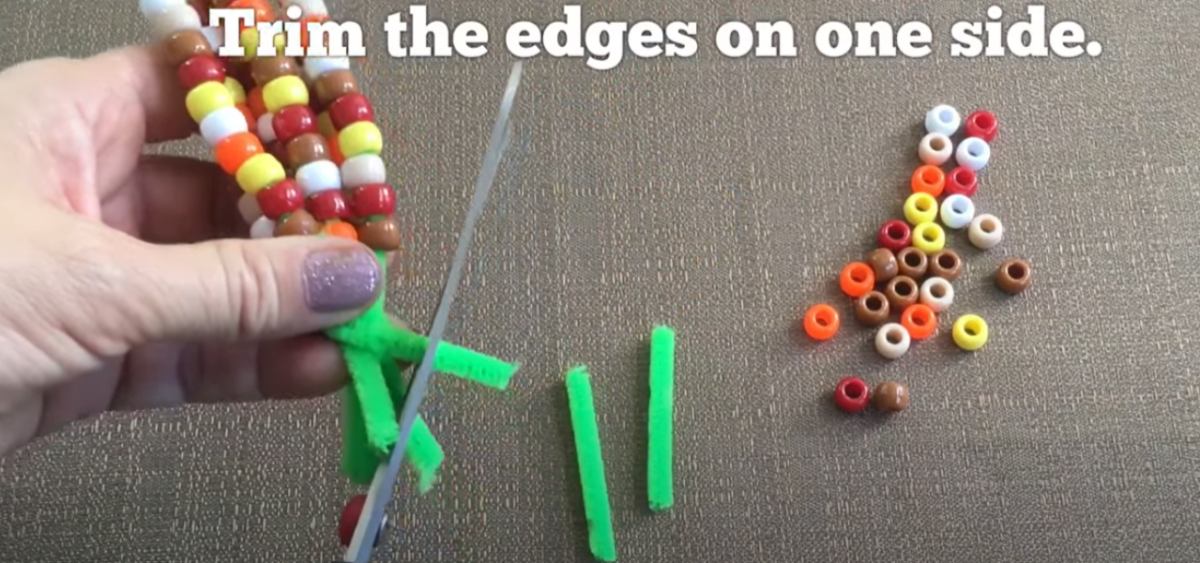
pixel 945 264
pixel 890 396
pixel 901 292
pixel 883 262
pixel 380 234
pixel 1013 276
pixel 332 85
pixel 912 262
pixel 183 45
pixel 300 222
pixel 265 69
pixel 306 148
pixel 872 309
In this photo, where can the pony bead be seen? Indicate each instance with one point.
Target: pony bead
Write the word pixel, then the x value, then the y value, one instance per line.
pixel 319 176
pixel 970 332
pixel 937 294
pixel 892 341
pixel 222 124
pixel 957 211
pixel 363 170
pixel 985 231
pixel 929 237
pixel 943 119
pixel 920 208
pixel 935 149
pixel 973 154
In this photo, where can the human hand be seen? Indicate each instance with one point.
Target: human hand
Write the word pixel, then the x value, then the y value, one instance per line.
pixel 121 288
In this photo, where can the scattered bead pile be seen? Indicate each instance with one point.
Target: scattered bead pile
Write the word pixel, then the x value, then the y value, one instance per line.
pixel 308 114
pixel 910 274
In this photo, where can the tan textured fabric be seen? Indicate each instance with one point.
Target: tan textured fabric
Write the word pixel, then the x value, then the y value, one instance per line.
pixel 722 196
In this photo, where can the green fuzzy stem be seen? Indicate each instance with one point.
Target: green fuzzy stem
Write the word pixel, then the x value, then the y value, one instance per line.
pixel 659 475
pixel 485 370
pixel 378 413
pixel 423 451
pixel 358 461
pixel 591 465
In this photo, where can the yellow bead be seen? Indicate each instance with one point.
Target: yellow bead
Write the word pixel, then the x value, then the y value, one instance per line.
pixel 325 125
pixel 360 138
pixel 207 98
pixel 929 237
pixel 285 91
pixel 920 208
pixel 236 90
pixel 259 172
pixel 970 332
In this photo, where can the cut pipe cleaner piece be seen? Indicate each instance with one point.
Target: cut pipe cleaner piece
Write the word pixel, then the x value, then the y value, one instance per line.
pixel 591 465
pixel 659 473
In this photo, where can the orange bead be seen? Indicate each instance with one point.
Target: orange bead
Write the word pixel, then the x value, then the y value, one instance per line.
pixel 929 179
pixel 255 100
pixel 335 152
pixel 340 229
pixel 262 9
pixel 857 279
pixel 236 149
pixel 821 322
pixel 251 122
pixel 919 320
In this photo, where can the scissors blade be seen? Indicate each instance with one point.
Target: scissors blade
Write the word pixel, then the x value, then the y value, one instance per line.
pixel 385 476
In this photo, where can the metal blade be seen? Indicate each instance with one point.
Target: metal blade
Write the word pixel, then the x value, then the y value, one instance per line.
pixel 385 477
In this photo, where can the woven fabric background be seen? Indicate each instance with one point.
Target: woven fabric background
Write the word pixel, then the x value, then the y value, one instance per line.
pixel 721 196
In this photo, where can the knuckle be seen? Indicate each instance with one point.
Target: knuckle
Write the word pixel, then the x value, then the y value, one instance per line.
pixel 250 289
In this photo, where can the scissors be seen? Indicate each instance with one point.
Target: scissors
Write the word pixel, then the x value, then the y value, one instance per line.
pixel 372 521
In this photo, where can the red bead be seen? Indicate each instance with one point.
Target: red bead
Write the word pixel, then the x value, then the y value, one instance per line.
pixel 327 206
pixel 852 395
pixel 281 199
pixel 961 181
pixel 374 199
pixel 200 69
pixel 349 109
pixel 293 121
pixel 349 520
pixel 895 235
pixel 982 124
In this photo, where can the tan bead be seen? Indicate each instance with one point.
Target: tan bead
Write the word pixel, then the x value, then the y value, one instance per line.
pixel 306 148
pixel 901 292
pixel 872 309
pixel 265 69
pixel 300 222
pixel 945 264
pixel 183 45
pixel 380 234
pixel 333 85
pixel 912 262
pixel 1013 276
pixel 890 396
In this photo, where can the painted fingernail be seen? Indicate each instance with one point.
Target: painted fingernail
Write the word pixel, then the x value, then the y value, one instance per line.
pixel 340 280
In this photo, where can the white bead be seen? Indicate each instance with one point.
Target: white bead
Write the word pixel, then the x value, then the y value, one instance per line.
pixel 248 207
pixel 315 67
pixel 363 170
pixel 942 119
pixel 973 154
pixel 935 149
pixel 215 37
pixel 175 18
pixel 318 176
pixel 266 127
pixel 262 228
pixel 985 232
pixel 937 294
pixel 221 124
pixel 957 211
pixel 151 8
pixel 892 341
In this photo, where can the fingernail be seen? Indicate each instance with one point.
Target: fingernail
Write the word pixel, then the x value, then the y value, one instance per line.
pixel 340 280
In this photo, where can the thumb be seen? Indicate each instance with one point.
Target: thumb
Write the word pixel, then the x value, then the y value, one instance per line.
pixel 252 289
